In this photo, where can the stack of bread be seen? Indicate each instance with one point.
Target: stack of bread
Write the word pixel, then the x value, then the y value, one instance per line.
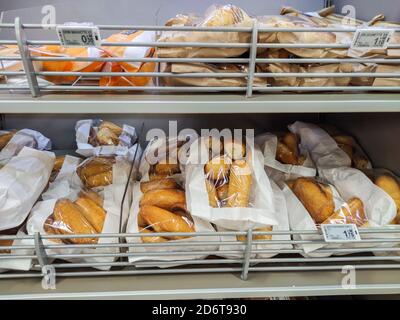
pixel 96 171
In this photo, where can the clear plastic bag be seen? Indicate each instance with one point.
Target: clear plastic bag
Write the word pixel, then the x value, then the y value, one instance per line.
pixel 216 16
pixel 96 171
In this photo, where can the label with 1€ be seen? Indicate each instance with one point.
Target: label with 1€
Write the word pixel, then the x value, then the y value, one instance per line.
pixel 371 38
pixel 340 232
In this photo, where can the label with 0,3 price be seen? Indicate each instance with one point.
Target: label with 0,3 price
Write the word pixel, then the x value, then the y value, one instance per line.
pixel 340 233
pixel 371 38
pixel 79 36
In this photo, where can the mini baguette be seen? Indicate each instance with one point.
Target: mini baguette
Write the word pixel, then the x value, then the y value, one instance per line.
pixel 167 183
pixel 165 221
pixel 353 212
pixel 93 213
pixel 240 180
pixel 165 199
pixel 154 239
pixel 212 194
pixel 99 180
pixel 218 168
pixel 68 219
pixel 94 196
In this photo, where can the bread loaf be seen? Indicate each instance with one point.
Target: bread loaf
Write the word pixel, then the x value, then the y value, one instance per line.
pixel 212 194
pixel 165 198
pixel 240 180
pixel 351 212
pixel 153 239
pixel 167 183
pixel 93 213
pixel 218 168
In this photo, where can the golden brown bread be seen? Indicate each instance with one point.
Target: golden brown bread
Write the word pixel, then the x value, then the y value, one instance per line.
pixel 96 171
pixel 99 180
pixel 165 198
pixel 117 130
pixel 140 221
pixel 258 237
pixel 390 185
pixel 5 138
pixel 166 169
pixel 352 212
pixel 153 239
pixel 165 221
pixel 58 163
pixel 68 219
pixel 235 149
pixel 94 196
pixel 218 168
pixel 154 176
pixel 106 137
pixel 212 193
pixel 316 198
pixel 287 151
pixel 222 192
pixel 93 213
pixel 240 180
pixel 159 184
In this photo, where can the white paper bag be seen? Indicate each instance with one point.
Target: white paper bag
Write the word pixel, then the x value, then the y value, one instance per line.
pixel 278 171
pixel 23 264
pixel 261 210
pixel 22 180
pixel 127 141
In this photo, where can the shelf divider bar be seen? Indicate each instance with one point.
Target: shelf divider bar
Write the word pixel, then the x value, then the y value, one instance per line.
pixel 26 58
pixel 252 56
pixel 247 254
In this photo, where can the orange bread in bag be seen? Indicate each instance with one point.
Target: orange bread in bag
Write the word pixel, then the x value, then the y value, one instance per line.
pixel 128 52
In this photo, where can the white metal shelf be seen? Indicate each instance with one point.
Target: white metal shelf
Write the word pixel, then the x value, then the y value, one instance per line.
pixel 198 104
pixel 198 286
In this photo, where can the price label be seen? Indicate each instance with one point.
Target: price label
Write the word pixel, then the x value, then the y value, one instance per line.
pixel 340 233
pixel 371 38
pixel 79 36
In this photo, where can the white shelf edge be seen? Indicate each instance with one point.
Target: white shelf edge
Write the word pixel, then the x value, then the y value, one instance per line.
pixel 198 104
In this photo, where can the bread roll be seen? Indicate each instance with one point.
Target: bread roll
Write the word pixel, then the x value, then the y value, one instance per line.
pixel 212 194
pixel 106 137
pixel 389 184
pixel 93 213
pixel 166 169
pixel 222 192
pixel 218 168
pixel 240 180
pixel 316 198
pixel 360 162
pixel 165 221
pixel 5 138
pixel 235 149
pixel 68 219
pixel 352 212
pixel 258 237
pixel 99 180
pixel 154 239
pixel 140 221
pixel 287 150
pixel 117 130
pixel 166 198
pixel 49 228
pixel 167 183
pixel 94 196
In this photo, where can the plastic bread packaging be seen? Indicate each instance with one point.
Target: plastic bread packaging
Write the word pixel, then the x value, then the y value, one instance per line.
pixel 65 179
pixel 12 143
pixel 96 137
pixel 216 16
pixel 128 53
pixel 229 187
pixel 283 225
pixel 15 264
pixel 284 156
pixel 22 180
pixel 99 172
pixel 83 211
pixel 10 65
pixel 67 66
pixel 209 81
pixel 159 205
pixel 327 152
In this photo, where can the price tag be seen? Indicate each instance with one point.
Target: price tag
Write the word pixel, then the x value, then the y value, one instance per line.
pixel 79 36
pixel 371 38
pixel 340 232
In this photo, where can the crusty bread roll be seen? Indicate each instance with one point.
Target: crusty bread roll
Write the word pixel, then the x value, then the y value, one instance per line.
pixel 154 239
pixel 287 151
pixel 258 237
pixel 165 198
pixel 93 213
pixel 106 137
pixel 165 221
pixel 166 168
pixel 235 149
pixel 117 130
pixel 5 138
pixel 351 212
pixel 96 171
pixel 212 194
pixel 316 198
pixel 218 168
pixel 392 188
pixel 240 180
pixel 100 179
pixel 167 183
pixel 68 219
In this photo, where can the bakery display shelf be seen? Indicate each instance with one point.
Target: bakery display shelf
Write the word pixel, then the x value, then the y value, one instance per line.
pixel 13 103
